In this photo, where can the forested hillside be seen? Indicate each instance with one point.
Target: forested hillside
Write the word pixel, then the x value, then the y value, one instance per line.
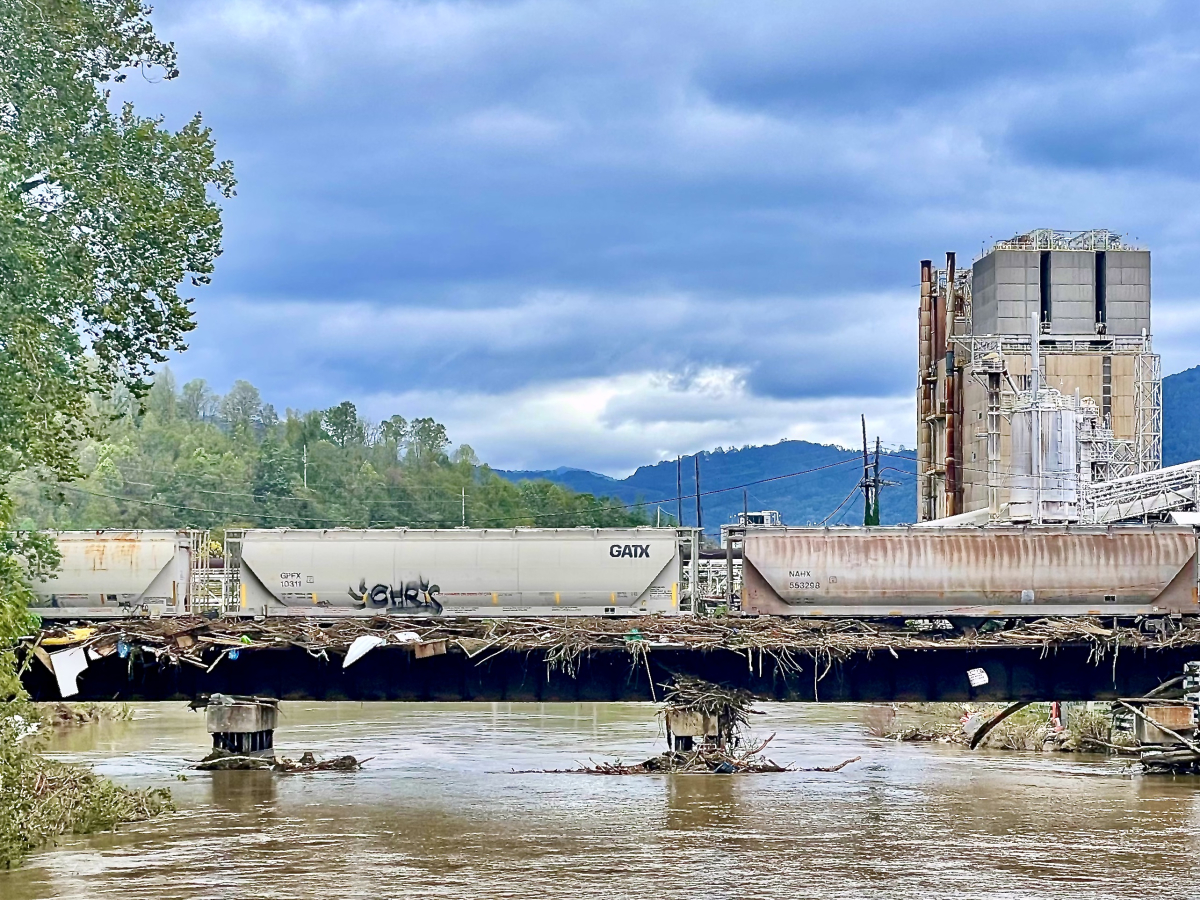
pixel 193 458
pixel 1181 417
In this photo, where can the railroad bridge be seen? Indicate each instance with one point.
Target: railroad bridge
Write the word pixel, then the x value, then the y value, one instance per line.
pixel 603 659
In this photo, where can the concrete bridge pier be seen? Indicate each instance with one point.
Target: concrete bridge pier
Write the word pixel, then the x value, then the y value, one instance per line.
pixel 242 726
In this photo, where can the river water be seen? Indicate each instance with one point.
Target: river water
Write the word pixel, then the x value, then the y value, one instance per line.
pixel 438 812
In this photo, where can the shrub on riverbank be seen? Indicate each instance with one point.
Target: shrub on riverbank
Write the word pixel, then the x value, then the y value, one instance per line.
pixel 65 714
pixel 41 799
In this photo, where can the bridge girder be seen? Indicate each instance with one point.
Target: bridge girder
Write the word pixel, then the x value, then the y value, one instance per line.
pixel 1066 672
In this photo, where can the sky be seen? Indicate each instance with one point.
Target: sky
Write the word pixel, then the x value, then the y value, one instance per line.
pixel 603 234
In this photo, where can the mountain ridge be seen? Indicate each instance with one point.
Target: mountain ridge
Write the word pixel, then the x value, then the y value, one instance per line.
pixel 806 481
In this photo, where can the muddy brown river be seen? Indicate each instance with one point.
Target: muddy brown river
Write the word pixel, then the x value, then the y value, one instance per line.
pixel 437 812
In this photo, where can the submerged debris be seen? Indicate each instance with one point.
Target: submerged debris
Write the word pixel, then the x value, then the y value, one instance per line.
pixel 714 716
pixel 705 760
pixel 223 762
pixel 41 798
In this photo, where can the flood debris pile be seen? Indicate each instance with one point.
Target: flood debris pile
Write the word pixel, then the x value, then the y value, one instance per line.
pixel 698 711
pixel 205 642
pixel 705 760
pixel 243 733
pixel 307 763
pixel 706 724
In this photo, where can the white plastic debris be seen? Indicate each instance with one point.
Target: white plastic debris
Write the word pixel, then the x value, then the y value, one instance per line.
pixel 972 724
pixel 360 647
pixel 405 637
pixel 68 664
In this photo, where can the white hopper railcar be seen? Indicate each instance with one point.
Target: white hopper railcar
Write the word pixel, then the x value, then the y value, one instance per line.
pixel 112 573
pixel 461 572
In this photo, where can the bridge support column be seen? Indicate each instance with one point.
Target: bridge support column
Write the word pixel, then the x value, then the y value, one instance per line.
pixel 242 726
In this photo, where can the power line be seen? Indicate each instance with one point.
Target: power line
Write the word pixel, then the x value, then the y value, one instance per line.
pixel 176 474
pixel 179 506
pixel 264 497
pixel 853 491
pixel 534 516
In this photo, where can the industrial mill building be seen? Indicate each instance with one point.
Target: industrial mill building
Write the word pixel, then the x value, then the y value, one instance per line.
pixel 1078 303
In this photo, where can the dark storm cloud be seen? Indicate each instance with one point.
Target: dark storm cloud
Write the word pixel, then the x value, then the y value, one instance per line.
pixel 484 198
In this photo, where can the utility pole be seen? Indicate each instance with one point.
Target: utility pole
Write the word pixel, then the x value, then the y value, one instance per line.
pixel 464 507
pixel 306 467
pixel 699 519
pixel 866 484
pixel 679 491
pixel 878 483
pixel 1035 413
pixel 871 482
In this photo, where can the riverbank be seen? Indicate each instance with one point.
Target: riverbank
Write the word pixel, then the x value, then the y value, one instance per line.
pixel 42 799
pixel 1030 729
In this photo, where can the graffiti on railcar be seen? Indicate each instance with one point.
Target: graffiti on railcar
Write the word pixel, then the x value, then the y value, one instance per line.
pixel 408 595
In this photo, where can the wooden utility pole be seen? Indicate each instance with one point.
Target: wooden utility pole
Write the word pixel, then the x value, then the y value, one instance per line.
pixel 678 491
pixel 878 483
pixel 870 483
pixel 865 484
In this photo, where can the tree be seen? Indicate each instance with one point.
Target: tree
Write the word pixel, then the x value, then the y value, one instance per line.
pixel 272 475
pixel 465 456
pixel 197 402
pixel 161 402
pixel 343 425
pixel 394 430
pixel 427 441
pixel 242 408
pixel 105 214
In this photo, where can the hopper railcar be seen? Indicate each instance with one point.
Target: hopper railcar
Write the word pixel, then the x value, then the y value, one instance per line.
pixel 461 572
pixel 114 573
pixel 969 572
pixel 842 572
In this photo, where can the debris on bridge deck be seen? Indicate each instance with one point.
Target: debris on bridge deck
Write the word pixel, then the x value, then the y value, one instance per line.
pixel 205 642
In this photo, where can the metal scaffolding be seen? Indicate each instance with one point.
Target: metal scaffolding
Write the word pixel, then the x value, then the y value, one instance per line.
pixel 1147 404
pixel 1054 239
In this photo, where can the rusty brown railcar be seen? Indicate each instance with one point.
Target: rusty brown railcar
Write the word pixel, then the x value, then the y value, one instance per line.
pixel 1124 570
